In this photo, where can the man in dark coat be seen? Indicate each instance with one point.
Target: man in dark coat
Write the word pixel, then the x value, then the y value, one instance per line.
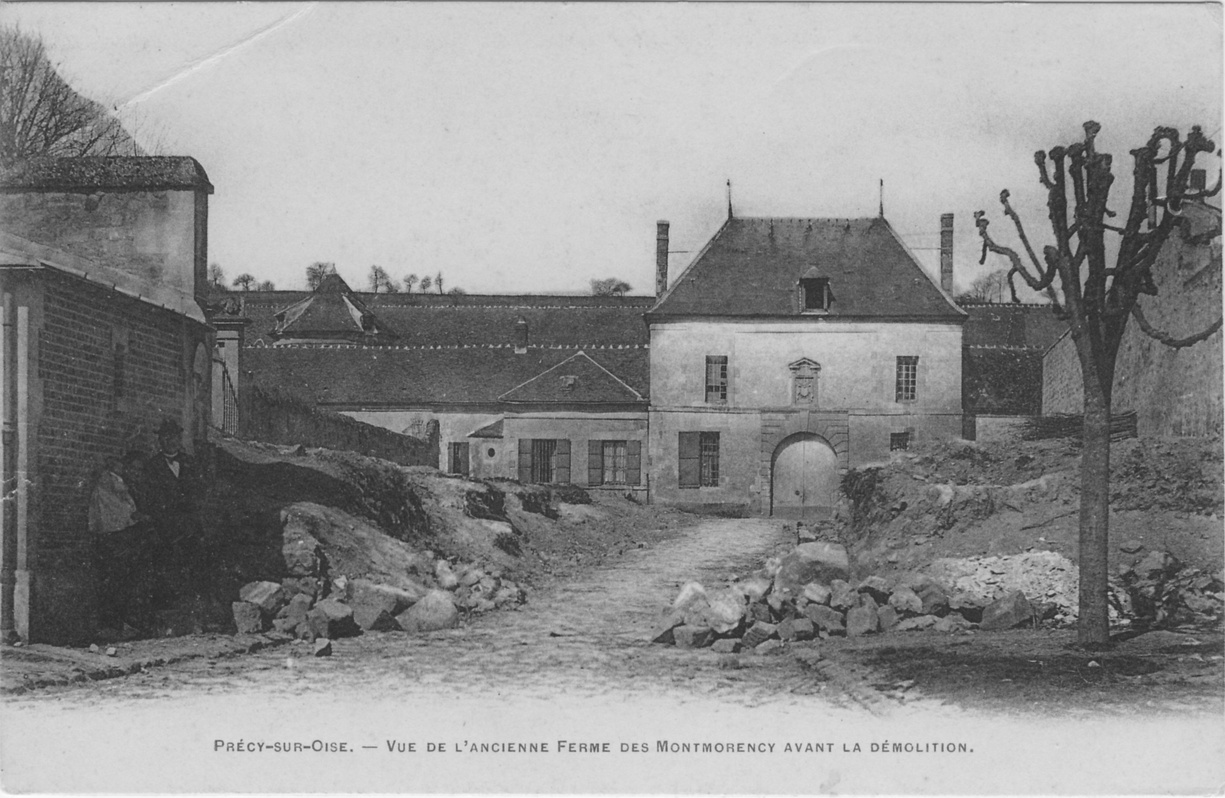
pixel 169 495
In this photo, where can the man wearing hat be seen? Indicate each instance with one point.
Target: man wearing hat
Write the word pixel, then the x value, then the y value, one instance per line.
pixel 169 495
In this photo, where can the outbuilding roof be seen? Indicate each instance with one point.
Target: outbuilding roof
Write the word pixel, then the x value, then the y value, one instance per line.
pixel 109 173
pixel 752 268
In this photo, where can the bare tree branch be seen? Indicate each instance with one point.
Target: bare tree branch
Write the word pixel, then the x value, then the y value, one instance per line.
pixel 1166 338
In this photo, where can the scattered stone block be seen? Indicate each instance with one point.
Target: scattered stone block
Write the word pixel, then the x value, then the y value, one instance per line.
pixel 760 611
pixel 725 610
pixel 935 600
pixel 825 618
pixel 248 618
pixel 755 588
pixel 887 618
pixel 861 620
pixel 472 576
pixel 687 636
pixel 817 593
pixel 689 593
pixel 950 623
pixel 111 651
pixel 663 632
pixel 725 645
pixel 1131 547
pixel 1005 613
pixel 768 647
pixel 435 611
pixel 332 619
pixel 293 613
pixel 917 623
pixel 268 596
pixel 305 585
pixel 842 595
pixel 446 578
pixel 323 647
pixel 877 587
pixel 375 610
pixel 1157 565
pixel 797 629
pixel 906 602
pixel 831 559
pixel 695 611
pixel 757 633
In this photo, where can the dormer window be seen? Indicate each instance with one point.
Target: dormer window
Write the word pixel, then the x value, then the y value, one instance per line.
pixel 815 294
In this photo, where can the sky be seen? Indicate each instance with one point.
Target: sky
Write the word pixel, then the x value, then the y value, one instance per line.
pixel 531 147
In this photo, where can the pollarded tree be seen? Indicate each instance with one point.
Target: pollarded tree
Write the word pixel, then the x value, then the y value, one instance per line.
pixel 1103 269
pixel 317 272
pixel 380 280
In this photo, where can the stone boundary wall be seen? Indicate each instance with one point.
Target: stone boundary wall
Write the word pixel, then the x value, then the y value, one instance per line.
pixel 274 417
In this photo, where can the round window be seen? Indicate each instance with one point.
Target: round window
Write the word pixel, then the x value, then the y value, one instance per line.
pixel 490 453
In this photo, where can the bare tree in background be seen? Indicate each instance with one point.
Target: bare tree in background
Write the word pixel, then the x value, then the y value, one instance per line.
pixel 41 115
pixel 266 285
pixel 380 281
pixel 609 287
pixel 426 282
pixel 991 287
pixel 317 272
pixel 438 282
pixel 244 282
pixel 409 281
pixel 216 277
pixel 1099 297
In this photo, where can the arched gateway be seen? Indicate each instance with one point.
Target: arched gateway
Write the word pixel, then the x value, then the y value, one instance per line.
pixel 804 477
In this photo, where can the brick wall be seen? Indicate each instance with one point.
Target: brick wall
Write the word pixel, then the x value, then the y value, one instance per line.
pixel 109 368
pixel 1062 389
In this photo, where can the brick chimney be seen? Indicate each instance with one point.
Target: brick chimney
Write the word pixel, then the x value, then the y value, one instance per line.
pixel 946 253
pixel 661 258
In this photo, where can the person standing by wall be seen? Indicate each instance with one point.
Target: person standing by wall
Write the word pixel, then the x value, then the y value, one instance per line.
pixel 121 547
pixel 169 493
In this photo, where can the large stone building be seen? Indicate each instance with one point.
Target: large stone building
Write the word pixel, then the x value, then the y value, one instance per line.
pixel 535 388
pixel 1174 392
pixel 101 264
pixel 789 351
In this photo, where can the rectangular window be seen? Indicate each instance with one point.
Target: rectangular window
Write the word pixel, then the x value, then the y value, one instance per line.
pixel 698 460
pixel 817 295
pixel 899 441
pixel 710 459
pixel 544 460
pixel 716 379
pixel 459 458
pixel 907 378
pixel 614 462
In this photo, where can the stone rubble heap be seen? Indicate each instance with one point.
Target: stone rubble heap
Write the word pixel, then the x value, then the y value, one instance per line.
pixel 312 603
pixel 809 594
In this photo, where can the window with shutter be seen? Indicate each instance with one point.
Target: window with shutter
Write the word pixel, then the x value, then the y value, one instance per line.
pixel 716 379
pixel 633 462
pixel 561 461
pixel 525 460
pixel 595 462
pixel 459 458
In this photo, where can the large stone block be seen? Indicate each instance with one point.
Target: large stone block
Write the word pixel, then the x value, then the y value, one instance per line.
pixel 1011 610
pixel 268 596
pixel 861 620
pixel 299 548
pixel 692 636
pixel 825 618
pixel 332 619
pixel 248 618
pixel 433 612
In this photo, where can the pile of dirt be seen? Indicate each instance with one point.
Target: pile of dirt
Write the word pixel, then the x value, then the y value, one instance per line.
pixel 525 534
pixel 962 499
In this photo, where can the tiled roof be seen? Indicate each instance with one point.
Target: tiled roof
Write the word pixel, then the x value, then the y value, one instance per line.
pixel 493 430
pixel 577 379
pixel 480 319
pixel 332 312
pixel 133 173
pixel 752 267
pixel 1028 326
pixel 397 376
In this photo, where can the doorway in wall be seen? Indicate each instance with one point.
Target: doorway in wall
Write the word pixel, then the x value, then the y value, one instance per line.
pixel 804 478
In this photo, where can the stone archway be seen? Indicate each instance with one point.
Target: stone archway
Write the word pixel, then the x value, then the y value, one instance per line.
pixel 804 477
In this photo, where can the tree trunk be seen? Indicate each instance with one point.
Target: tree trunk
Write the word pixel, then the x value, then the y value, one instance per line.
pixel 1094 624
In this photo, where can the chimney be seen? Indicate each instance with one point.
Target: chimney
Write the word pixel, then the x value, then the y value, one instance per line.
pixel 520 336
pixel 661 258
pixel 946 253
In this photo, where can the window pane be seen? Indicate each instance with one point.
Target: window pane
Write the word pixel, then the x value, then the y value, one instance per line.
pixel 907 378
pixel 716 378
pixel 542 460
pixel 710 459
pixel 615 457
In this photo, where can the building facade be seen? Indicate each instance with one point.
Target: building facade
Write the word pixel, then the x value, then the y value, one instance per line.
pixel 101 264
pixel 790 351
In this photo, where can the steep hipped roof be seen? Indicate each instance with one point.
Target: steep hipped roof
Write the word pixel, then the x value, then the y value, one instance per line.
pixel 112 173
pixel 752 267
pixel 1012 326
pixel 395 376
pixel 577 379
pixel 479 319
pixel 331 313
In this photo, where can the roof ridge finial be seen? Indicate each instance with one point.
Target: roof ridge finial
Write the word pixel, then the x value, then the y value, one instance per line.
pixel 729 198
pixel 882 198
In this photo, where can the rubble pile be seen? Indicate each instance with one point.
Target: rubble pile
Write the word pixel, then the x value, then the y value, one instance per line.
pixel 342 576
pixel 810 594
